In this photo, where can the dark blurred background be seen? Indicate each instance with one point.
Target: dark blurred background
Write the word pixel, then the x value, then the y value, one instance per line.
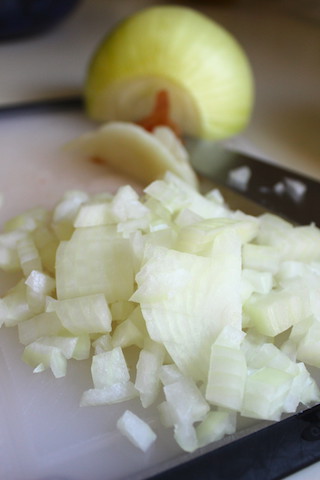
pixel 19 18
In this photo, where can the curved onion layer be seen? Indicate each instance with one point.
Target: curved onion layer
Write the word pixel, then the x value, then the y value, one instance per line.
pixel 199 63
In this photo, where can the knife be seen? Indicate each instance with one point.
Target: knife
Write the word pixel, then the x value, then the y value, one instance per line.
pixel 280 449
pixel 287 193
pixel 271 453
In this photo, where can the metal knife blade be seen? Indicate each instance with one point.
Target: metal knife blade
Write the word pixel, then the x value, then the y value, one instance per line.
pixel 284 192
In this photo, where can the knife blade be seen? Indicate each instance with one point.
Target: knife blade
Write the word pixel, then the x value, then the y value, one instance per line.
pixel 287 193
pixel 271 453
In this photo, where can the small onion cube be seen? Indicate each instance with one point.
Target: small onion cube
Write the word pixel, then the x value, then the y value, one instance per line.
pixel 39 285
pixel 136 430
pixel 126 334
pixel 28 255
pixel 37 354
pixel 186 436
pixel 147 378
pixel 215 426
pixel 80 270
pixel 43 324
pixel 91 215
pixel 227 377
pixel 265 393
pixel 14 307
pixel 87 314
pixel 108 368
pixel 103 343
pixel 184 411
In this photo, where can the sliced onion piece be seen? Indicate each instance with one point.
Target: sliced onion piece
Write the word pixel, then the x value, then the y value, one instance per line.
pixel 14 306
pixel 181 317
pixel 147 380
pixel 186 436
pixel 199 237
pixel 174 194
pixel 194 410
pixel 43 324
pixel 262 258
pixel 136 430
pixel 39 286
pixel 28 255
pixel 86 314
pixel 115 393
pixel 227 377
pixel 133 151
pixel 9 260
pixel 108 368
pixel 102 344
pixel 300 243
pixel 127 333
pixel 278 310
pixel 80 270
pixel 215 426
pixel 126 205
pixel 27 221
pixel 94 214
pixel 265 393
pixel 41 356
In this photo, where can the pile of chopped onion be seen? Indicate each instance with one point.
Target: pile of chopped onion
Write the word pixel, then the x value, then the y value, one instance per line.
pixel 223 307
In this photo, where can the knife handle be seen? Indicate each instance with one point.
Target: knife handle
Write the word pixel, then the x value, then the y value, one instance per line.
pixel 268 454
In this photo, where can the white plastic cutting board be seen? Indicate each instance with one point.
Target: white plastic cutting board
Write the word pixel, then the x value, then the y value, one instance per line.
pixel 44 434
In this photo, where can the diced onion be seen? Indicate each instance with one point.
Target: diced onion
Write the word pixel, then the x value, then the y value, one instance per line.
pixel 136 430
pixel 178 302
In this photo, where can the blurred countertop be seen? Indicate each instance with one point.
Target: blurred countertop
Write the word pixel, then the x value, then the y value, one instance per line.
pixel 282 45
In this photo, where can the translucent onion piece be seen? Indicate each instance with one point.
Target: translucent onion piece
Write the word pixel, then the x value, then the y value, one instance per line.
pixel 215 426
pixel 133 151
pixel 14 306
pixel 188 412
pixel 38 286
pixel 147 377
pixel 41 356
pixel 108 368
pixel 136 430
pixel 181 317
pixel 28 255
pixel 265 393
pixel 277 311
pixel 227 377
pixel 43 324
pixel 81 271
pixel 115 393
pixel 87 314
